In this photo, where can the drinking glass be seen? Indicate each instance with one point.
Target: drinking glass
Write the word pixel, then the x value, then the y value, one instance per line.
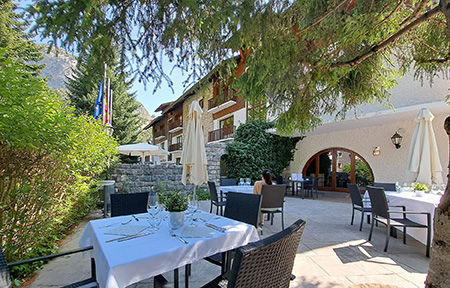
pixel 241 181
pixel 154 211
pixel 435 189
pixel 247 181
pixel 192 208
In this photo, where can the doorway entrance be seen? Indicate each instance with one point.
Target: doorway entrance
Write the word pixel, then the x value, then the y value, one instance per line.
pixel 336 167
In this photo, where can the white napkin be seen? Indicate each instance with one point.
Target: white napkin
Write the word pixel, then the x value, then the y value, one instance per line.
pixel 126 230
pixel 203 216
pixel 197 232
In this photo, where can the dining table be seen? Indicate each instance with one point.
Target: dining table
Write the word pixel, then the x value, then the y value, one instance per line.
pixel 425 203
pixel 126 250
pixel 237 188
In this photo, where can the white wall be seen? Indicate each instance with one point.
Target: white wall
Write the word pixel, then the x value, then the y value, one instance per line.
pixel 390 165
pixel 240 117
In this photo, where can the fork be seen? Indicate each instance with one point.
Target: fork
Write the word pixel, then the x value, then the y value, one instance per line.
pixel 123 223
pixel 175 235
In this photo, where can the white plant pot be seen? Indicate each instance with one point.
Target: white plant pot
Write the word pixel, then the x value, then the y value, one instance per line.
pixel 419 193
pixel 176 220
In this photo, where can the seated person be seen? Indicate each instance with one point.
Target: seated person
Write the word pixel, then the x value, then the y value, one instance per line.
pixel 266 180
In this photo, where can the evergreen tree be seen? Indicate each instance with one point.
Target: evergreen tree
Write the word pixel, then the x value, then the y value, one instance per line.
pixel 82 94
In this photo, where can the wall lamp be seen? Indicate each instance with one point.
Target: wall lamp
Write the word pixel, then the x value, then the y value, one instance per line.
pixel 397 140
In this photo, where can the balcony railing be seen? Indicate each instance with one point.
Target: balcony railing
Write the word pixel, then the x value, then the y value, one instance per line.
pixel 160 133
pixel 175 124
pixel 175 147
pixel 222 133
pixel 226 96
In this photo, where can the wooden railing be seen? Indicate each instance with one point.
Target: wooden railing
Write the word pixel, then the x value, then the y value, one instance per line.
pixel 175 124
pixel 175 147
pixel 160 133
pixel 222 133
pixel 226 96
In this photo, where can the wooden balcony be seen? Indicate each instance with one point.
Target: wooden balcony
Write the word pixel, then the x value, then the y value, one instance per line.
pixel 221 134
pixel 160 134
pixel 175 126
pixel 175 147
pixel 224 100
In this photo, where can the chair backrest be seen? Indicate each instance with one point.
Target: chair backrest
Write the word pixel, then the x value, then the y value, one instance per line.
pixel 267 262
pixel 5 278
pixel 315 182
pixel 213 191
pixel 243 207
pixel 273 196
pixel 378 201
pixel 355 194
pixel 228 182
pixel 386 186
pixel 128 203
pixel 280 179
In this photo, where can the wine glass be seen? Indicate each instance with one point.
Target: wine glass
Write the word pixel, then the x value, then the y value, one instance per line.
pixel 435 189
pixel 154 209
pixel 192 208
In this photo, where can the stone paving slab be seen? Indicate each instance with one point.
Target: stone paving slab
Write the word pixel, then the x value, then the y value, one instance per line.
pixel 332 253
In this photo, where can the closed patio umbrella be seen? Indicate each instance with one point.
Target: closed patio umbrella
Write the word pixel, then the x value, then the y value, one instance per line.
pixel 142 149
pixel 194 155
pixel 423 159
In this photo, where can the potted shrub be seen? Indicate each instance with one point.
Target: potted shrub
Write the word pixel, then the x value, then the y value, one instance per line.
pixel 176 203
pixel 420 188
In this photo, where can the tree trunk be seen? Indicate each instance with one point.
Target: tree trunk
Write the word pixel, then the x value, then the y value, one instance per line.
pixel 439 272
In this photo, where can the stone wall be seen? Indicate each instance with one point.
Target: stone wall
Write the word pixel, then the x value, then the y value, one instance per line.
pixel 133 178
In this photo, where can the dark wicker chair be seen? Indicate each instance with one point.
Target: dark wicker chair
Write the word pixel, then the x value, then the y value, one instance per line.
pixel 273 201
pixel 381 213
pixel 358 204
pixel 265 263
pixel 215 199
pixel 242 207
pixel 386 186
pixel 228 182
pixel 5 278
pixel 128 203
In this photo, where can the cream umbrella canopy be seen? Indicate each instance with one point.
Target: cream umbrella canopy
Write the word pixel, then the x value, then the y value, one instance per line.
pixel 193 156
pixel 142 149
pixel 423 159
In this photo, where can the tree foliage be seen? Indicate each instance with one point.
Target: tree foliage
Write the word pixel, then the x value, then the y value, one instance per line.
pixel 253 150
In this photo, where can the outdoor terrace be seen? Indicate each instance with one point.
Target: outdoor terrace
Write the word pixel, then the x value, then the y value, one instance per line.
pixel 332 253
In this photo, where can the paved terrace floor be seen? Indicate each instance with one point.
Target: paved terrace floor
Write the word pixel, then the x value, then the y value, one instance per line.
pixel 332 253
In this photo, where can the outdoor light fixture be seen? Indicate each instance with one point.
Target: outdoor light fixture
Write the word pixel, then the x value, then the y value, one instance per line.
pixel 397 140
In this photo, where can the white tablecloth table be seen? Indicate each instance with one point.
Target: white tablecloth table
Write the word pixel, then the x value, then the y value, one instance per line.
pixel 119 264
pixel 427 203
pixel 238 188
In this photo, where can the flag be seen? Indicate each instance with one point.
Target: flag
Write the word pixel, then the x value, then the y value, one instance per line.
pixel 98 104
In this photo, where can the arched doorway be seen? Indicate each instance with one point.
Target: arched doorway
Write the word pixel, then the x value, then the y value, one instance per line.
pixel 338 166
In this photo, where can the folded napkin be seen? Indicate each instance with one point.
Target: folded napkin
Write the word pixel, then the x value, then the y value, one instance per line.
pixel 197 232
pixel 203 216
pixel 126 230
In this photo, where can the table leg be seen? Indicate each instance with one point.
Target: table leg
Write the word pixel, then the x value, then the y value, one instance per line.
pixel 176 281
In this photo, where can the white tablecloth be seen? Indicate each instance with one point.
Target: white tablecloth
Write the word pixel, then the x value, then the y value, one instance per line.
pixel 239 188
pixel 119 264
pixel 427 203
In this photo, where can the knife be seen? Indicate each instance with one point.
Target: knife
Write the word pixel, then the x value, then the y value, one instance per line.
pixel 221 229
pixel 123 238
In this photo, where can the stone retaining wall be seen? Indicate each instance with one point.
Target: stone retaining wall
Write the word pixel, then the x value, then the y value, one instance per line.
pixel 133 178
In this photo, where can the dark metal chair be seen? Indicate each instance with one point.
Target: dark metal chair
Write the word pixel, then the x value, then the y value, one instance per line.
pixel 358 204
pixel 312 187
pixel 386 186
pixel 265 263
pixel 128 203
pixel 215 199
pixel 228 182
pixel 273 201
pixel 241 207
pixel 5 278
pixel 381 213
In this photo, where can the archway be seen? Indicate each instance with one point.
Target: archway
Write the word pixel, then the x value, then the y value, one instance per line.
pixel 337 167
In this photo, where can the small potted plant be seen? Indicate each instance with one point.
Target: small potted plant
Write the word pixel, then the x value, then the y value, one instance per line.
pixel 420 188
pixel 176 203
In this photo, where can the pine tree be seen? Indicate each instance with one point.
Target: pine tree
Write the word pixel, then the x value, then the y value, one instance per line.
pixel 82 94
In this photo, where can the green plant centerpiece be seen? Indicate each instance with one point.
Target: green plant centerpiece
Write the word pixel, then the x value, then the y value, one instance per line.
pixel 420 187
pixel 176 203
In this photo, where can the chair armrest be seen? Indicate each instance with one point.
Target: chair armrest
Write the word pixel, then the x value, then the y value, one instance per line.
pixel 407 212
pixel 402 206
pixel 48 257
